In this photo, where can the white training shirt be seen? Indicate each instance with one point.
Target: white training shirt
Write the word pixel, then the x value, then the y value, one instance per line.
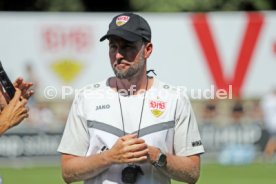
pixel 268 105
pixel 95 123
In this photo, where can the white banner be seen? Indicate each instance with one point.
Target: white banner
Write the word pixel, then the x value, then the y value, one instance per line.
pixel 192 50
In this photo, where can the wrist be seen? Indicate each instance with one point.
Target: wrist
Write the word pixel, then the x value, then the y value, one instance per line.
pixel 153 154
pixel 107 157
pixel 4 126
pixel 160 160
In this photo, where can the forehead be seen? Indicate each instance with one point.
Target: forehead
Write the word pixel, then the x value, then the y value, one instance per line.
pixel 119 40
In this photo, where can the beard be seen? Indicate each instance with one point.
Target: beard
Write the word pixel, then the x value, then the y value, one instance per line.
pixel 131 71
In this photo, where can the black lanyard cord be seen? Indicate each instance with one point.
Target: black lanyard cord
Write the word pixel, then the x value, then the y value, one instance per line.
pixel 141 115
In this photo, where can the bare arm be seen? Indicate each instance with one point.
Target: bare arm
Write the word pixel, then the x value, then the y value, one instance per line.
pixel 127 149
pixel 75 168
pixel 13 113
pixel 181 168
pixel 186 169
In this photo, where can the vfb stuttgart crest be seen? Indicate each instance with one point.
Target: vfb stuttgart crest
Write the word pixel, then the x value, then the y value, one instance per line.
pixel 157 107
pixel 121 20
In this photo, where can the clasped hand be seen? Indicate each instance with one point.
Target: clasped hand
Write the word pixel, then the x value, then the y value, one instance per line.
pixel 129 149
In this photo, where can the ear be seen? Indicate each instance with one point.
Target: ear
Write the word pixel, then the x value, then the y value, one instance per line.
pixel 147 50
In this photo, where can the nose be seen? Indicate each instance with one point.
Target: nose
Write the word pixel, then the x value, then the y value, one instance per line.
pixel 119 55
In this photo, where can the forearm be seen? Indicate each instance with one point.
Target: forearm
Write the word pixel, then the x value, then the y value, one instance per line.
pixel 4 126
pixel 82 168
pixel 183 169
pixel 127 149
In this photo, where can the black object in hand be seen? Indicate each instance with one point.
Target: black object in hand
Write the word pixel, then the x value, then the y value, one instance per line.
pixel 130 173
pixel 6 83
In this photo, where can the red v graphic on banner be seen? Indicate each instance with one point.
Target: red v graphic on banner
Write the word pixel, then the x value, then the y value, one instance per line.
pixel 206 40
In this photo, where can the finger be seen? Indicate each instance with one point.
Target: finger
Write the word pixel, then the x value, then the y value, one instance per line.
pixel 130 142
pixel 129 155
pixel 18 82
pixel 135 147
pixel 21 84
pixel 23 101
pixel 28 94
pixel 19 111
pixel 129 136
pixel 18 119
pixel 138 159
pixel 24 110
pixel 141 153
pixel 23 113
pixel 26 86
pixel 137 154
pixel 30 84
pixel 21 118
pixel 26 115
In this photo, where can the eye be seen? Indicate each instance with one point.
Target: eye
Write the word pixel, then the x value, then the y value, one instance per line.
pixel 128 46
pixel 112 47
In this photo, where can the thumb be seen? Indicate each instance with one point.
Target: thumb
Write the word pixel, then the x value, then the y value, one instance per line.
pixel 17 95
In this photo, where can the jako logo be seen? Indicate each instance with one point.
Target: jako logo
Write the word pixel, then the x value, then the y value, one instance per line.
pixel 100 107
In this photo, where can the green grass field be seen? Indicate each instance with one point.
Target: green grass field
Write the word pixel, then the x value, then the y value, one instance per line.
pixel 210 174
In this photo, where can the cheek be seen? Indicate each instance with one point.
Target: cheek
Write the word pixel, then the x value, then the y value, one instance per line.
pixel 132 56
pixel 112 60
pixel 112 56
pixel 140 56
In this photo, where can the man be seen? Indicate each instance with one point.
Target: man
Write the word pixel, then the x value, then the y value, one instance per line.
pixel 12 113
pixel 138 129
pixel 268 105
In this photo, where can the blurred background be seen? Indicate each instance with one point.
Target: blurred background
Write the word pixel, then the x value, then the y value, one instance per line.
pixel 222 52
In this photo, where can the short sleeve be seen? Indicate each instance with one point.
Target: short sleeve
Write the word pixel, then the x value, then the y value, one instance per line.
pixel 75 139
pixel 187 139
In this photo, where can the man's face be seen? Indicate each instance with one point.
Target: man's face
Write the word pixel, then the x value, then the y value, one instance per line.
pixel 127 58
